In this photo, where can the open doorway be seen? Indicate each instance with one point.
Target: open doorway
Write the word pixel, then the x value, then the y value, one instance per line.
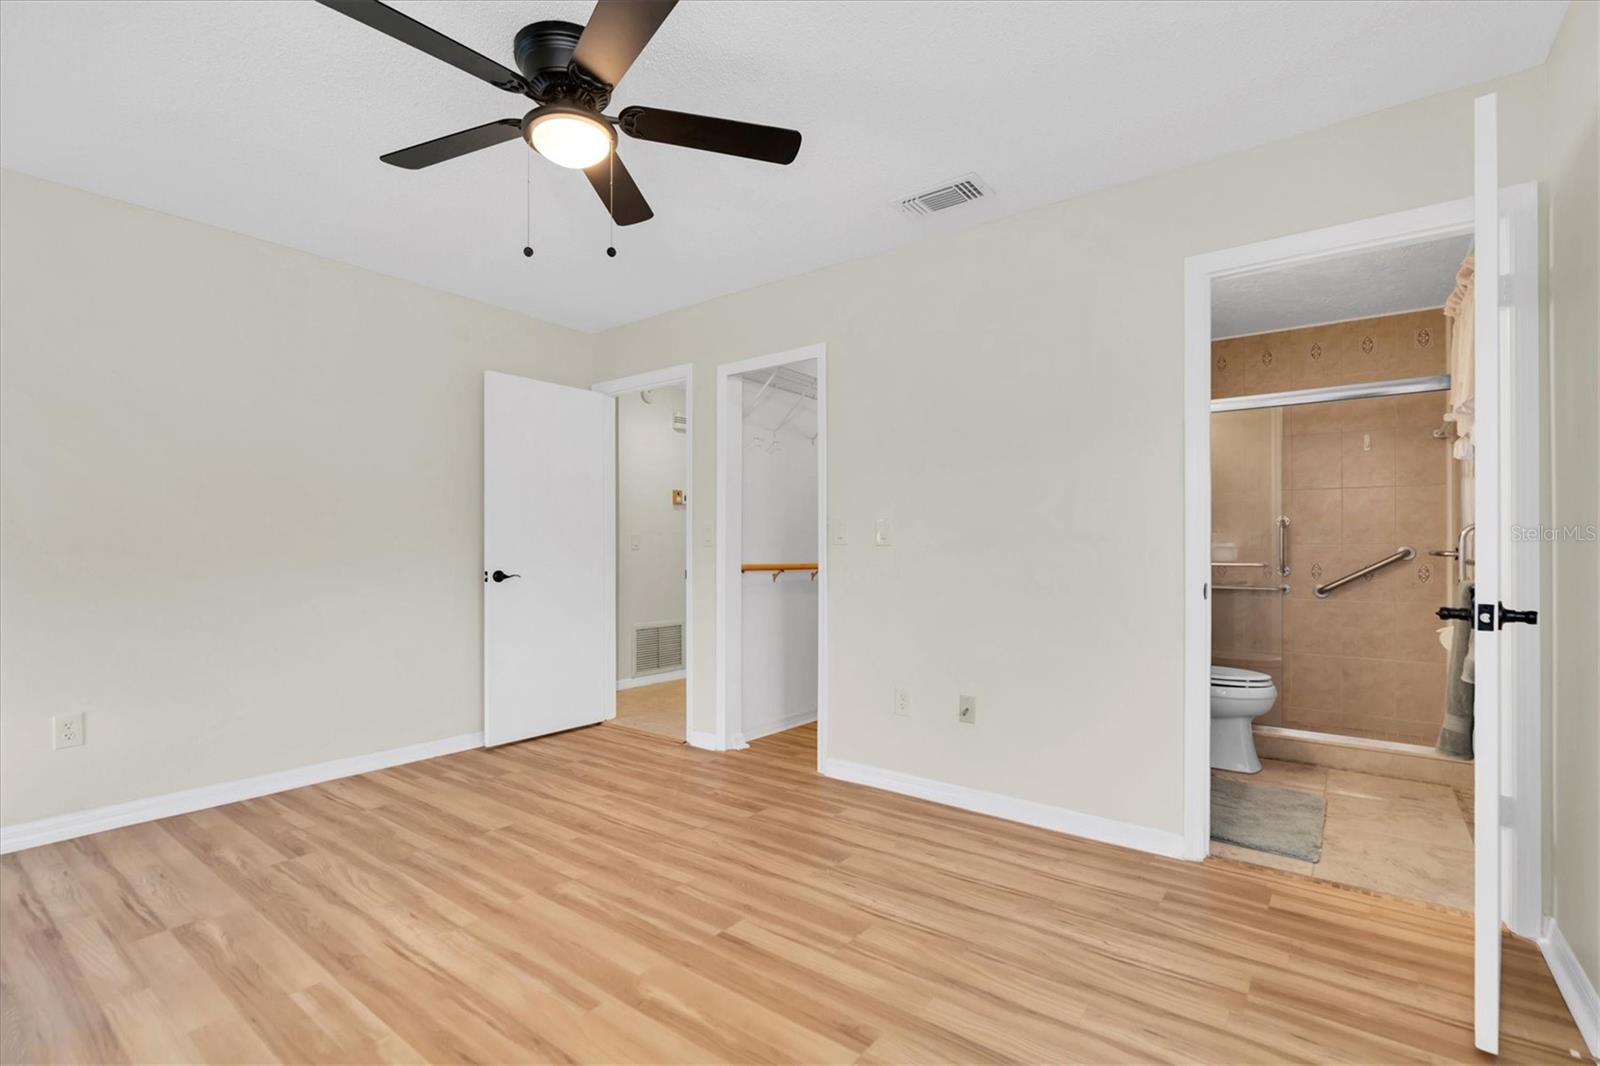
pixel 1502 326
pixel 652 521
pixel 1342 482
pixel 772 578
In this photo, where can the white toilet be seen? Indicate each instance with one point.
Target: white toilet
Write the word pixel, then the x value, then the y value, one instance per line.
pixel 1238 697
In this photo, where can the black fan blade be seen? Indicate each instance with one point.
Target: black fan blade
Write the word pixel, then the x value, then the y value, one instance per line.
pixel 386 19
pixel 630 206
pixel 451 145
pixel 617 32
pixel 770 144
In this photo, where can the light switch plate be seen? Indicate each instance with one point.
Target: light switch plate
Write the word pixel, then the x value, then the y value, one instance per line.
pixel 882 536
pixel 967 710
pixel 633 541
pixel 838 532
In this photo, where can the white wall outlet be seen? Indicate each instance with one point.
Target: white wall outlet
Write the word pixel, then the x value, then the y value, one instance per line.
pixel 66 731
pixel 967 709
pixel 838 532
pixel 902 703
pixel 882 535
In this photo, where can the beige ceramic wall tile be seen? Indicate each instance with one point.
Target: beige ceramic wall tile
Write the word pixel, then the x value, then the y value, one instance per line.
pixel 1316 459
pixel 1419 518
pixel 1315 516
pixel 1367 688
pixel 1227 370
pixel 1420 458
pixel 1368 516
pixel 1315 418
pixel 1270 366
pixel 1368 456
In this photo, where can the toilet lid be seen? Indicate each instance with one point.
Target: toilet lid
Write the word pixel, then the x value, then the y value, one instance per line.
pixel 1233 677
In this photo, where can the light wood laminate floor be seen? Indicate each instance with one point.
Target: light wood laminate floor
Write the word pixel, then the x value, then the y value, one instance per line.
pixel 606 895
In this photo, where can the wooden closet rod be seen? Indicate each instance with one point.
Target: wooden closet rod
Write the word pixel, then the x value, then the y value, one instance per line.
pixel 779 569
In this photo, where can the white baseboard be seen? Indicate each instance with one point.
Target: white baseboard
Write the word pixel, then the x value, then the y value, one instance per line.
pixel 788 722
pixel 650 679
pixel 704 738
pixel 1576 988
pixel 1028 812
pixel 98 820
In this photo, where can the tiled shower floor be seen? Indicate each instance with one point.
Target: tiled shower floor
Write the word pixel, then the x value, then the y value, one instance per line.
pixel 1401 838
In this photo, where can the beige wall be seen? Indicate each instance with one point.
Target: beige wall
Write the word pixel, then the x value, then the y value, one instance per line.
pixel 241 501
pixel 1572 570
pixel 1359 479
pixel 651 461
pixel 976 385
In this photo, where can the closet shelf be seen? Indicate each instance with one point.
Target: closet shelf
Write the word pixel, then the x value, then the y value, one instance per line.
pixel 777 570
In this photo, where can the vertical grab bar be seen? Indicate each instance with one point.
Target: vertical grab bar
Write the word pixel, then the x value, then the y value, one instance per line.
pixel 1283 545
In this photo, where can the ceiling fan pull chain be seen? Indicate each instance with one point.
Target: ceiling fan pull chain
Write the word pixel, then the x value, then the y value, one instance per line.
pixel 611 208
pixel 527 206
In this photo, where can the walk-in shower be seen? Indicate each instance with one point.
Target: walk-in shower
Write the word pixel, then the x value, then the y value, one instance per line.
pixel 1335 528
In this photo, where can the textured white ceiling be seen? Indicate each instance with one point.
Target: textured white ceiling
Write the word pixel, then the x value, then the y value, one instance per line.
pixel 1363 285
pixel 268 118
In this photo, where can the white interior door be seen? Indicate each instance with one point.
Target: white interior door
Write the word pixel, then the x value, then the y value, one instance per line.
pixel 549 557
pixel 1487 424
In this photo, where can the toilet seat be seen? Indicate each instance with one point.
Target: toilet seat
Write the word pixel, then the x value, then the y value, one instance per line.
pixel 1235 678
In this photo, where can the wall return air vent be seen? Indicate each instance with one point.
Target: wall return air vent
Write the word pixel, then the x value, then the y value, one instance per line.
pixel 962 190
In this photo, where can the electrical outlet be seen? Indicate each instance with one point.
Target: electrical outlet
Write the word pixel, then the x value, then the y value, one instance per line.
pixel 67 731
pixel 967 710
pixel 902 703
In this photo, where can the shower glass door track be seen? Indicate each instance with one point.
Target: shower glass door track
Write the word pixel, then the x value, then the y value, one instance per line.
pixel 1359 391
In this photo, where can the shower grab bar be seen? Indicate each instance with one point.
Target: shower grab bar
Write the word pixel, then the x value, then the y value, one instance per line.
pixel 1249 588
pixel 1283 545
pixel 1321 591
pixel 1238 564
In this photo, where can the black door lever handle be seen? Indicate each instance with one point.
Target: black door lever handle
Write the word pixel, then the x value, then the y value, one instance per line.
pixel 1455 614
pixel 501 575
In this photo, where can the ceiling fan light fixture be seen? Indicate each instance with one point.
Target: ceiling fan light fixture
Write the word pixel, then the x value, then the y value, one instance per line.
pixel 569 137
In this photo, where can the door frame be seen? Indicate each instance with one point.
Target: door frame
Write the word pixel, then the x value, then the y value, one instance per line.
pixel 730 500
pixel 681 374
pixel 1522 867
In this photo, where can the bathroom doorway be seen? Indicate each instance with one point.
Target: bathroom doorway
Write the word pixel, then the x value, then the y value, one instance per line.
pixel 653 517
pixel 1506 418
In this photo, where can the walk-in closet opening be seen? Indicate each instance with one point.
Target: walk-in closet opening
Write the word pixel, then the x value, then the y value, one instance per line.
pixel 773 587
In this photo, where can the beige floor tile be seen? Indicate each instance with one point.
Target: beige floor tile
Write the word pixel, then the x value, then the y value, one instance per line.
pixel 1429 821
pixel 1260 858
pixel 1410 869
pixel 1297 775
pixel 1372 786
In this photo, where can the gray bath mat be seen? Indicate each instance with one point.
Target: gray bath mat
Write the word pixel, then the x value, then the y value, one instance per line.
pixel 1283 821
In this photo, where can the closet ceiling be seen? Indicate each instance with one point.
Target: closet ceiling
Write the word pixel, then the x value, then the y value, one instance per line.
pixel 267 118
pixel 1364 285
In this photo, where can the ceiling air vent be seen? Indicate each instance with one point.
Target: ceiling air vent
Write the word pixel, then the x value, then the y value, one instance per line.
pixel 963 190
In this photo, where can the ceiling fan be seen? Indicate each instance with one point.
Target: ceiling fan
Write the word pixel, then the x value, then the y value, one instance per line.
pixel 570 72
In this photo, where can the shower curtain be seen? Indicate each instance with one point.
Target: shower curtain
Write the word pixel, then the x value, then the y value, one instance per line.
pixel 1461 360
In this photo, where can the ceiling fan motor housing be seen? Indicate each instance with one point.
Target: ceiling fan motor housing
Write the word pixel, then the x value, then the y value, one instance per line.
pixel 544 55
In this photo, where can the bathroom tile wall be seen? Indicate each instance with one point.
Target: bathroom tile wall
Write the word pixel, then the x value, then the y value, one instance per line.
pixel 1359 479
